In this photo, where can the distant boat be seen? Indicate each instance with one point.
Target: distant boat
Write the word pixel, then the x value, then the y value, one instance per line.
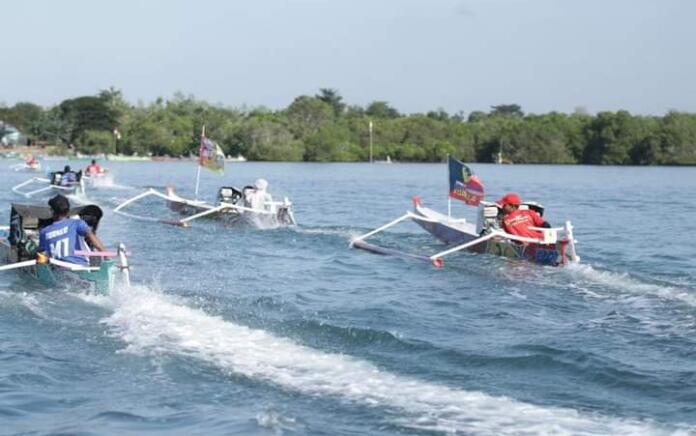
pixel 385 161
pixel 125 158
pixel 239 158
pixel 500 160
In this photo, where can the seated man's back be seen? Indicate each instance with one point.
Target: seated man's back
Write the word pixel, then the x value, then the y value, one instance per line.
pixel 68 179
pixel 60 240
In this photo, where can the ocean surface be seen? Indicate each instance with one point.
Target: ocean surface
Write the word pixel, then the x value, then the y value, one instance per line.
pixel 291 332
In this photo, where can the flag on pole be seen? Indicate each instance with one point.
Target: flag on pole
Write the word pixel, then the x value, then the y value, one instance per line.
pixel 211 156
pixel 463 185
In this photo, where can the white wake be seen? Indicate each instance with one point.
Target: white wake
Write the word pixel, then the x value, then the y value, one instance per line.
pixel 151 323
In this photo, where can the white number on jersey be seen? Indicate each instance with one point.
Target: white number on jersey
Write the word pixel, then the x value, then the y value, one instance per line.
pixel 60 248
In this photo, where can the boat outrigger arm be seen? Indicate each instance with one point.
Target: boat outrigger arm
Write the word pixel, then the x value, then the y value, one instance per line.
pixel 120 253
pixel 51 187
pixel 207 208
pixel 550 236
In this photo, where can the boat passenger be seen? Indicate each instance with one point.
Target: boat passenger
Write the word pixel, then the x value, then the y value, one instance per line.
pixel 60 239
pixel 94 168
pixel 258 198
pixel 69 178
pixel 518 221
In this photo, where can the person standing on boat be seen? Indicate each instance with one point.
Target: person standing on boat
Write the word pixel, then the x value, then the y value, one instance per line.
pixel 60 239
pixel 69 178
pixel 518 221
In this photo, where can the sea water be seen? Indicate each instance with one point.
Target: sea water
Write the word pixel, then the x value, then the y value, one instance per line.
pixel 289 331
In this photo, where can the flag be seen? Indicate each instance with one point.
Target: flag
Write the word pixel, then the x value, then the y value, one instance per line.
pixel 211 156
pixel 463 185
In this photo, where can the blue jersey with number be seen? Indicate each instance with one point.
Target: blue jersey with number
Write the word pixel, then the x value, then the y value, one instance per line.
pixel 62 238
pixel 68 179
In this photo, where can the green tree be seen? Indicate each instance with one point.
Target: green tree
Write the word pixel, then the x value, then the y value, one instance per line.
pixel 507 110
pixel 333 99
pixel 381 109
pixel 87 113
pixel 307 114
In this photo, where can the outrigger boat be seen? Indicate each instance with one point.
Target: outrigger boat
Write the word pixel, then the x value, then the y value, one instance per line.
pixel 29 165
pixel 250 205
pixel 18 250
pixel 51 185
pixel 556 246
pixel 232 207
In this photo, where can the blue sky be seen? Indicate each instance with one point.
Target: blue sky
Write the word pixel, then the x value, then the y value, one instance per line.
pixel 418 55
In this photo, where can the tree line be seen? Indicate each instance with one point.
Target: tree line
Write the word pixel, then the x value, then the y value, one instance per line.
pixel 323 128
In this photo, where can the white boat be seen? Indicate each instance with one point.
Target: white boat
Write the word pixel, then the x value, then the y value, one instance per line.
pixel 232 207
pixel 126 158
pixel 249 205
pixel 28 166
pixel 50 186
pixel 238 158
pixel 555 246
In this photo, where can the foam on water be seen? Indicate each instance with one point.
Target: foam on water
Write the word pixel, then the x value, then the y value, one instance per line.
pixel 108 182
pixel 151 323
pixel 624 282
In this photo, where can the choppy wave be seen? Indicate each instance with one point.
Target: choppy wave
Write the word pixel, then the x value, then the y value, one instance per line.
pixel 151 323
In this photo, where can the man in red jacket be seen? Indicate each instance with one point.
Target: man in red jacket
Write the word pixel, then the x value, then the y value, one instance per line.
pixel 518 221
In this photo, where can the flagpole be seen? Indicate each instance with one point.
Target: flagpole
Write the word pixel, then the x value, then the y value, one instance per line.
pixel 198 170
pixel 449 199
pixel 370 141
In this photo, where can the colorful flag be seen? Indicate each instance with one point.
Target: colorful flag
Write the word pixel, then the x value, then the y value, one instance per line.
pixel 211 156
pixel 463 185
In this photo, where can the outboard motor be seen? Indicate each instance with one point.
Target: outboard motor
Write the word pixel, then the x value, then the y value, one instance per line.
pixel 56 177
pixel 229 194
pixel 488 219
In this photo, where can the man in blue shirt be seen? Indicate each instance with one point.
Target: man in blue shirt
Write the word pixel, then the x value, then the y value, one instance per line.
pixel 61 239
pixel 69 178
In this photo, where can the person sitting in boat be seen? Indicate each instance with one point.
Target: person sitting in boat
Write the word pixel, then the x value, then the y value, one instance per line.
pixel 518 221
pixel 60 239
pixel 94 168
pixel 257 197
pixel 68 178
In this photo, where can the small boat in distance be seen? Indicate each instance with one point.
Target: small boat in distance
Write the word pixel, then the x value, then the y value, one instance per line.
pixel 385 161
pixel 30 164
pixel 19 244
pixel 239 158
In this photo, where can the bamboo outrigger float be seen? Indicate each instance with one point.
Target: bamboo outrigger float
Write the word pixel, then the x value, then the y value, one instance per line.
pixel 18 250
pixel 555 247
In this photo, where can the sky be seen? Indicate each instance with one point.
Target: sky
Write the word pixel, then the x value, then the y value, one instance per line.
pixel 418 55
